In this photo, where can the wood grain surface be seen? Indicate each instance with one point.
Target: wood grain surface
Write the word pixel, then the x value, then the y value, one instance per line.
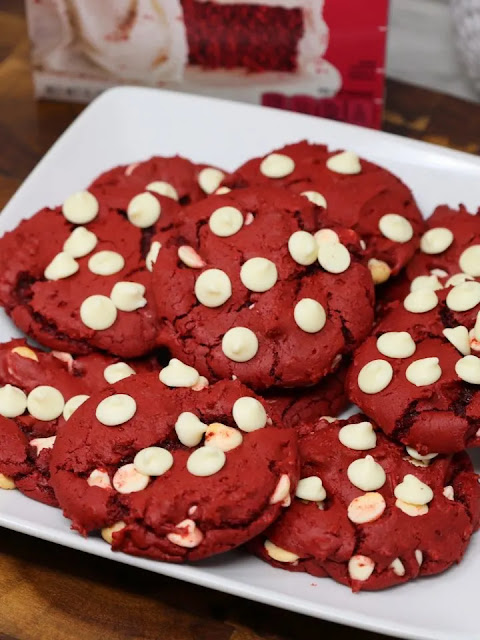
pixel 51 593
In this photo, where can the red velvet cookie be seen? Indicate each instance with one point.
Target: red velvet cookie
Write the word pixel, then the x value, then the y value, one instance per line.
pixel 175 177
pixel 305 406
pixel 38 393
pixel 76 277
pixel 250 292
pixel 174 474
pixel 367 514
pixel 449 248
pixel 352 192
pixel 418 375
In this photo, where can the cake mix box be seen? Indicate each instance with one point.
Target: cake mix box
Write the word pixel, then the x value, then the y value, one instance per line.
pixel 321 57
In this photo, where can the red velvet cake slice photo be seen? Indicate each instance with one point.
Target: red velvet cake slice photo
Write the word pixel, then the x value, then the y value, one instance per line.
pixel 256 35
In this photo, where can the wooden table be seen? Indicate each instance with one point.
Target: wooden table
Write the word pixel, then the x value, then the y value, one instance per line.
pixel 51 593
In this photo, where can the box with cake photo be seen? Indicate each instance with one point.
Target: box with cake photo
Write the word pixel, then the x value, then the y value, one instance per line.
pixel 322 57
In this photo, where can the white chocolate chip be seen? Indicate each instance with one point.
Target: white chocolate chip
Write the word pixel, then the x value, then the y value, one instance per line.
pixel 201 384
pixel 62 266
pixel 309 315
pixel 421 301
pixel 153 461
pixel 395 228
pixel 163 189
pixel 346 162
pixel 117 371
pixel 107 532
pixel 209 179
pixel 80 242
pixel 464 296
pixel 396 344
pixel 259 274
pixel 303 247
pixel 470 261
pixel 240 344
pixel 98 312
pixel 419 557
pixel 366 474
pixel 128 480
pixel 379 270
pixel 366 508
pixel 80 208
pixel 190 257
pixel 178 374
pixel 206 461
pixel 189 538
pixel 311 489
pixel 458 336
pixel 398 567
pixel 417 463
pixel 106 263
pixel 6 482
pixel 375 376
pixel 458 278
pixel 412 510
pixel 413 491
pixel 249 414
pixel 222 191
pixel 45 403
pixel 279 554
pixel 358 436
pixel 315 197
pixel 277 165
pixel 334 258
pixel 43 443
pixel 152 255
pixel 222 437
pixel 474 342
pixel 468 369
pixel 328 419
pixel 128 296
pixel 13 401
pixel 423 371
pixel 436 240
pixel 189 429
pixel 440 273
pixel 282 491
pixel 72 405
pixel 99 478
pixel 360 568
pixel 448 492
pixel 418 456
pixel 213 288
pixel 225 221
pixel 426 282
pixel 144 210
pixel 25 352
pixel 326 236
pixel 116 409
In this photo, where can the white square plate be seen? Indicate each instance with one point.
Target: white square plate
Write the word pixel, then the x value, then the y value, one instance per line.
pixel 128 124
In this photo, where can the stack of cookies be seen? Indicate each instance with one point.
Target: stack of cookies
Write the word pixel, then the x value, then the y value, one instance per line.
pixel 204 330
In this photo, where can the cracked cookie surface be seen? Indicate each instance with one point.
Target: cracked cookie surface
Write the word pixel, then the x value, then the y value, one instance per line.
pixel 351 192
pixel 432 401
pixel 179 178
pixel 218 474
pixel 348 522
pixel 249 291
